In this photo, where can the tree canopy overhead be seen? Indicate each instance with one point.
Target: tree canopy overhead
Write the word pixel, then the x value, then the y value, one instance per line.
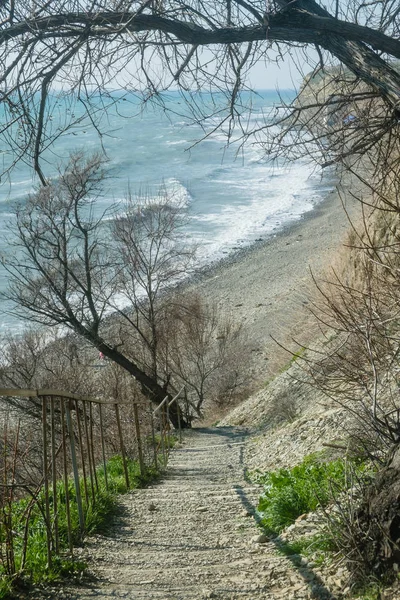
pixel 151 46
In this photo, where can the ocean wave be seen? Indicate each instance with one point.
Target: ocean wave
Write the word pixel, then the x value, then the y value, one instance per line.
pixel 177 143
pixel 269 205
pixel 229 199
pixel 177 193
pixel 21 182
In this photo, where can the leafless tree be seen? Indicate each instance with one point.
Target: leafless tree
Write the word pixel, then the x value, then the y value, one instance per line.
pixel 356 364
pixel 358 311
pixel 203 350
pixel 82 48
pixel 154 254
pixel 36 358
pixel 65 269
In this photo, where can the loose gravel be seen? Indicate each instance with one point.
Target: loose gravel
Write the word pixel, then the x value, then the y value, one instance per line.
pixel 193 535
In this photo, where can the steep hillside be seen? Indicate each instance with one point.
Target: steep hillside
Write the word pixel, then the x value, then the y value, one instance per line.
pixel 340 398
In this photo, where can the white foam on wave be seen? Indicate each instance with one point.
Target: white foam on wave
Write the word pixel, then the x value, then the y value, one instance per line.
pixel 177 143
pixel 268 205
pixel 230 202
pixel 173 191
pixel 21 182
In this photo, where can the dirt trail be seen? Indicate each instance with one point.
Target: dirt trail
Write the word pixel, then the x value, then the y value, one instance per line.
pixel 193 535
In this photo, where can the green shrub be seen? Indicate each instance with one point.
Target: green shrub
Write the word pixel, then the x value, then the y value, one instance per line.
pixel 170 440
pixel 288 493
pixel 318 547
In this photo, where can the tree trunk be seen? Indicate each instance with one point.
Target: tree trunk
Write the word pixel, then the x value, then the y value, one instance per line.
pixel 356 55
pixel 149 386
pixel 151 389
pixel 302 21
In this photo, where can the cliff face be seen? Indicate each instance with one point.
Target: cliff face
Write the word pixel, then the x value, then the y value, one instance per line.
pixel 290 419
pixel 340 115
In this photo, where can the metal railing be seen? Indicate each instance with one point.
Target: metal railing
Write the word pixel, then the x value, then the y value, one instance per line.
pixel 63 450
pixel 165 430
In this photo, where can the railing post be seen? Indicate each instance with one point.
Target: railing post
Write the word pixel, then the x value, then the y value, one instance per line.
pixel 7 514
pixel 75 468
pixel 167 428
pixel 103 452
pixel 162 419
pixel 82 449
pixel 139 439
pixel 121 440
pixel 46 481
pixel 187 407
pixel 66 483
pixel 92 446
pixel 88 448
pixel 179 421
pixel 153 438
pixel 54 474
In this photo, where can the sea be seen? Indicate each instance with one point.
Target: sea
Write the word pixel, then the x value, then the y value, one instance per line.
pixel 234 193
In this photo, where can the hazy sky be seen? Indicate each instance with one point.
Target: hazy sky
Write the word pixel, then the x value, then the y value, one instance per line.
pixel 277 73
pixel 271 76
pixel 287 74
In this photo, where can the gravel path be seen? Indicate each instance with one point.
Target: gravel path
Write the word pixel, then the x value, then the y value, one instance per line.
pixel 193 535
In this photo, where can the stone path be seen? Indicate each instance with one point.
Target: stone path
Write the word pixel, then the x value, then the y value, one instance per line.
pixel 193 535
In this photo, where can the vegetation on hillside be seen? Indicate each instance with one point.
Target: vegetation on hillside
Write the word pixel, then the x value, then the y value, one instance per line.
pixel 24 559
pixel 68 268
pixel 290 493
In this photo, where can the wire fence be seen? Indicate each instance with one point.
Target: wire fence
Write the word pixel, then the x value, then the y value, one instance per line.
pixel 56 456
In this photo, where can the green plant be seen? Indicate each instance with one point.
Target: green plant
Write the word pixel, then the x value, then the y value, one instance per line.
pixel 6 586
pixel 288 493
pixel 372 591
pixel 295 356
pixel 318 547
pixel 97 511
pixel 169 440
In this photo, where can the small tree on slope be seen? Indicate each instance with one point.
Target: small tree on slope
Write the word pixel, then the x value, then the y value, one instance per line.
pixel 66 271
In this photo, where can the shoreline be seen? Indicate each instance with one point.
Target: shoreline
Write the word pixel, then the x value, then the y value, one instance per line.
pixel 266 286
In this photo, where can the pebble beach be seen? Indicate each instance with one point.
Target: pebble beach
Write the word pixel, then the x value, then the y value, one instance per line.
pixel 267 286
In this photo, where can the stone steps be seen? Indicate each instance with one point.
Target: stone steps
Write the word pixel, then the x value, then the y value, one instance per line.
pixel 190 536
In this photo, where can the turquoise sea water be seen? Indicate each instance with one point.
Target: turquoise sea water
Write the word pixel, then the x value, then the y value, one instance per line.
pixel 232 198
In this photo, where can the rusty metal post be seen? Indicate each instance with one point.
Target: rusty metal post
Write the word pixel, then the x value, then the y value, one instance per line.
pixel 65 468
pixel 91 466
pixel 153 438
pixel 103 451
pixel 179 421
pixel 92 446
pixel 82 451
pixel 7 516
pixel 187 417
pixel 138 438
pixel 162 440
pixel 54 474
pixel 121 440
pixel 75 468
pixel 46 481
pixel 167 427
